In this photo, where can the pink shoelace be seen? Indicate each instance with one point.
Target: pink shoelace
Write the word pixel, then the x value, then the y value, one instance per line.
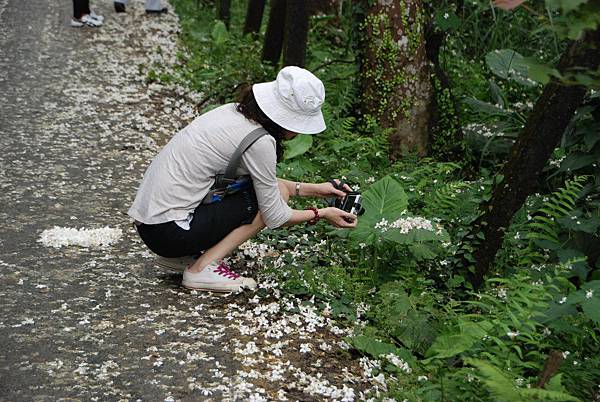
pixel 225 271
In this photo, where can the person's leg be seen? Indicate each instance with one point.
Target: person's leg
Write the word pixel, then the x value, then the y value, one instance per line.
pixel 86 7
pixel 79 7
pixel 234 238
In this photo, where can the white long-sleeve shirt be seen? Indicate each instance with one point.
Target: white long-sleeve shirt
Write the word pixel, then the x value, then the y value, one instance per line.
pixel 182 173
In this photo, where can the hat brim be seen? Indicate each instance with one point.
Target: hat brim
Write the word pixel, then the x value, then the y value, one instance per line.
pixel 276 110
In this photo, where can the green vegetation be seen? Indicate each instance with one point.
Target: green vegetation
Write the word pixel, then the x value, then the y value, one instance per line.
pixel 391 276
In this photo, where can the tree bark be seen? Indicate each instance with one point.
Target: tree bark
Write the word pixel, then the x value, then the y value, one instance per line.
pixel 296 32
pixel 274 35
pixel 544 128
pixel 254 15
pixel 395 79
pixel 223 11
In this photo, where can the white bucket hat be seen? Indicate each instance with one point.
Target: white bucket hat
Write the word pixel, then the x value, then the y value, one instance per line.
pixel 293 100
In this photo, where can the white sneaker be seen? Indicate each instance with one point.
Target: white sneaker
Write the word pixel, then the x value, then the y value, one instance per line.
pixel 217 278
pixel 178 263
pixel 86 20
pixel 96 16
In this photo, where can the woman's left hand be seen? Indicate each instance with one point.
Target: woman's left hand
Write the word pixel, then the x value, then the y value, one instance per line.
pixel 327 190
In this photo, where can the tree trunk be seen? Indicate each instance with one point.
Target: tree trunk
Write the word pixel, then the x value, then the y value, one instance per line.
pixel 395 81
pixel 544 128
pixel 274 34
pixel 254 16
pixel 296 32
pixel 223 11
pixel 445 133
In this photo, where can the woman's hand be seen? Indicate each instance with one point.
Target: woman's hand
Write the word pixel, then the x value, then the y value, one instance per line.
pixel 327 190
pixel 338 217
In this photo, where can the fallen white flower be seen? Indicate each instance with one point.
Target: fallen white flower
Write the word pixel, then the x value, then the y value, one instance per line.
pixel 305 348
pixel 60 236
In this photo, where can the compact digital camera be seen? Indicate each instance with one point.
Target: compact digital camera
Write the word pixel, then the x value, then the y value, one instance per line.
pixel 352 203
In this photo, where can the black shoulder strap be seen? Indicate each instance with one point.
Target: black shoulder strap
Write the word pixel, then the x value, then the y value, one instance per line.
pixel 236 158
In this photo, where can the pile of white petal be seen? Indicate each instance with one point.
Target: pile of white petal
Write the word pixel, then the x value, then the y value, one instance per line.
pixel 59 236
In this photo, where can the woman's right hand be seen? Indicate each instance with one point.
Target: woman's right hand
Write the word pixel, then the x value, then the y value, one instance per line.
pixel 335 216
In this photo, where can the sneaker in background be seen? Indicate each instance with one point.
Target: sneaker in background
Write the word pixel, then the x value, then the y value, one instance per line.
pixel 217 277
pixel 86 20
pixel 96 16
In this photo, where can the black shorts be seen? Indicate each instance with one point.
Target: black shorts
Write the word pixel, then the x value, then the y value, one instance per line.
pixel 211 223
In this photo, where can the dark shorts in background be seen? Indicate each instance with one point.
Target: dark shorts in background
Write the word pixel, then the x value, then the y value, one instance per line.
pixel 211 223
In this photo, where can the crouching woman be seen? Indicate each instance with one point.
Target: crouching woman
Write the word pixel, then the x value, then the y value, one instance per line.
pixel 170 210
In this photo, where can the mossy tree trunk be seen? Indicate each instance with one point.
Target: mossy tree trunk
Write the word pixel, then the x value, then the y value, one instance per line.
pixel 274 34
pixel 254 15
pixel 544 128
pixel 395 77
pixel 296 32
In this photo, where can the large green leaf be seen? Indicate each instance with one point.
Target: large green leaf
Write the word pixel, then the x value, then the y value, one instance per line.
pixel 297 146
pixel 459 340
pixel 422 251
pixel 589 297
pixel 556 311
pixel 508 64
pixel 485 107
pixel 385 197
pixel 219 34
pixel 591 307
pixel 539 72
pixel 577 223
pixel 372 346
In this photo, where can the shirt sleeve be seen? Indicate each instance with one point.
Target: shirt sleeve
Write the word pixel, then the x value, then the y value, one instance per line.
pixel 261 161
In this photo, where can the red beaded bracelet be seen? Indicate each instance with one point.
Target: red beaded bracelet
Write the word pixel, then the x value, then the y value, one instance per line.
pixel 316 218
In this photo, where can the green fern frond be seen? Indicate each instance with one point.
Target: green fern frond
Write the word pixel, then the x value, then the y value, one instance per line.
pixel 503 388
pixel 347 124
pixel 544 224
pixel 446 201
pixel 545 395
pixel 499 385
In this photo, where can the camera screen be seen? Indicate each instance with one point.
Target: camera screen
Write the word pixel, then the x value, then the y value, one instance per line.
pixel 352 202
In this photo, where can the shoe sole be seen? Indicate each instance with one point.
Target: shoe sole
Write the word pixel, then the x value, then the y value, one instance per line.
pixel 221 290
pixel 239 288
pixel 85 25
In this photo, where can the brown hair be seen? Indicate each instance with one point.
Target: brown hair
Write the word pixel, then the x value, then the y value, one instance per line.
pixel 248 106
